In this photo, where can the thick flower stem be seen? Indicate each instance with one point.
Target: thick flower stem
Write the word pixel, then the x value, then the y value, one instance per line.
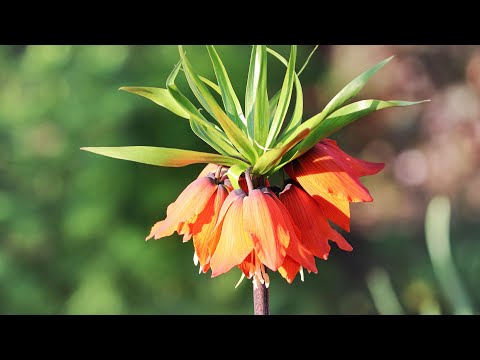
pixel 261 301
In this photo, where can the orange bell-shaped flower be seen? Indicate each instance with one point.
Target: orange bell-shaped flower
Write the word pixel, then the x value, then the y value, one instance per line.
pixel 331 177
pixel 194 214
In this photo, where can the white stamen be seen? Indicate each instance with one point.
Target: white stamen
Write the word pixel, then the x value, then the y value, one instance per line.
pixel 301 274
pixel 267 280
pixel 241 279
pixel 195 258
pixel 200 269
pixel 255 283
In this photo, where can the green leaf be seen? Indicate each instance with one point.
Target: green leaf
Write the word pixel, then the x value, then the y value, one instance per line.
pixel 163 156
pixel 234 134
pixel 285 96
pixel 200 126
pixel 271 158
pixel 261 109
pixel 210 83
pixel 353 87
pixel 348 92
pixel 230 100
pixel 298 110
pixel 234 174
pixel 338 120
pixel 256 97
pixel 272 105
pixel 159 96
pixel 307 61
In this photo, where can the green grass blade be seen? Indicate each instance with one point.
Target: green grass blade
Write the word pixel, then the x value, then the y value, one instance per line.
pixel 159 96
pixel 338 120
pixel 233 132
pixel 284 101
pixel 230 100
pixel 163 156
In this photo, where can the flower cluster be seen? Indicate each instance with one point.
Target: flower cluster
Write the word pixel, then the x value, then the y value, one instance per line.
pixel 258 226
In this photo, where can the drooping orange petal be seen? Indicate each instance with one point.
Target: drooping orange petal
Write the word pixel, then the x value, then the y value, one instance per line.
pixel 361 167
pixel 335 209
pixel 205 238
pixel 248 265
pixel 234 244
pixel 316 231
pixel 231 198
pixel 264 222
pixel 296 250
pixel 327 170
pixel 289 269
pixel 189 203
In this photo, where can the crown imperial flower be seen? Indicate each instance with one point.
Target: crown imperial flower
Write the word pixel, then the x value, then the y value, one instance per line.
pixel 234 215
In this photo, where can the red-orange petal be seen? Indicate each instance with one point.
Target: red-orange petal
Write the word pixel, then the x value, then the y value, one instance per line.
pixel 264 222
pixel 296 250
pixel 327 170
pixel 234 244
pixel 361 167
pixel 205 238
pixel 189 203
pixel 289 269
pixel 316 231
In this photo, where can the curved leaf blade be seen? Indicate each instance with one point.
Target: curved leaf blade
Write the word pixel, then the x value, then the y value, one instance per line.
pixel 163 156
pixel 353 87
pixel 159 96
pixel 230 100
pixel 284 101
pixel 298 109
pixel 233 132
pixel 339 119
pixel 271 158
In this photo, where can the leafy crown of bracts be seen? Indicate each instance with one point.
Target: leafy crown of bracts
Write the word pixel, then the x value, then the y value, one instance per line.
pixel 260 135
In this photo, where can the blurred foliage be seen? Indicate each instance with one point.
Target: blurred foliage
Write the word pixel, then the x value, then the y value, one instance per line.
pixel 73 224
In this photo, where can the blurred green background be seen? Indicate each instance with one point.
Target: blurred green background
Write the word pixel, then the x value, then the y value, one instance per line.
pixel 73 224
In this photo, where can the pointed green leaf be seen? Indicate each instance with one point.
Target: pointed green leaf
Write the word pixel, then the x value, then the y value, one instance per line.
pixel 353 87
pixel 271 158
pixel 261 108
pixel 233 132
pixel 200 126
pixel 159 96
pixel 163 156
pixel 230 100
pixel 307 61
pixel 338 120
pixel 210 83
pixel 256 97
pixel 298 110
pixel 285 96
pixel 272 105
pixel 251 91
pixel 349 91
pixel 234 174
